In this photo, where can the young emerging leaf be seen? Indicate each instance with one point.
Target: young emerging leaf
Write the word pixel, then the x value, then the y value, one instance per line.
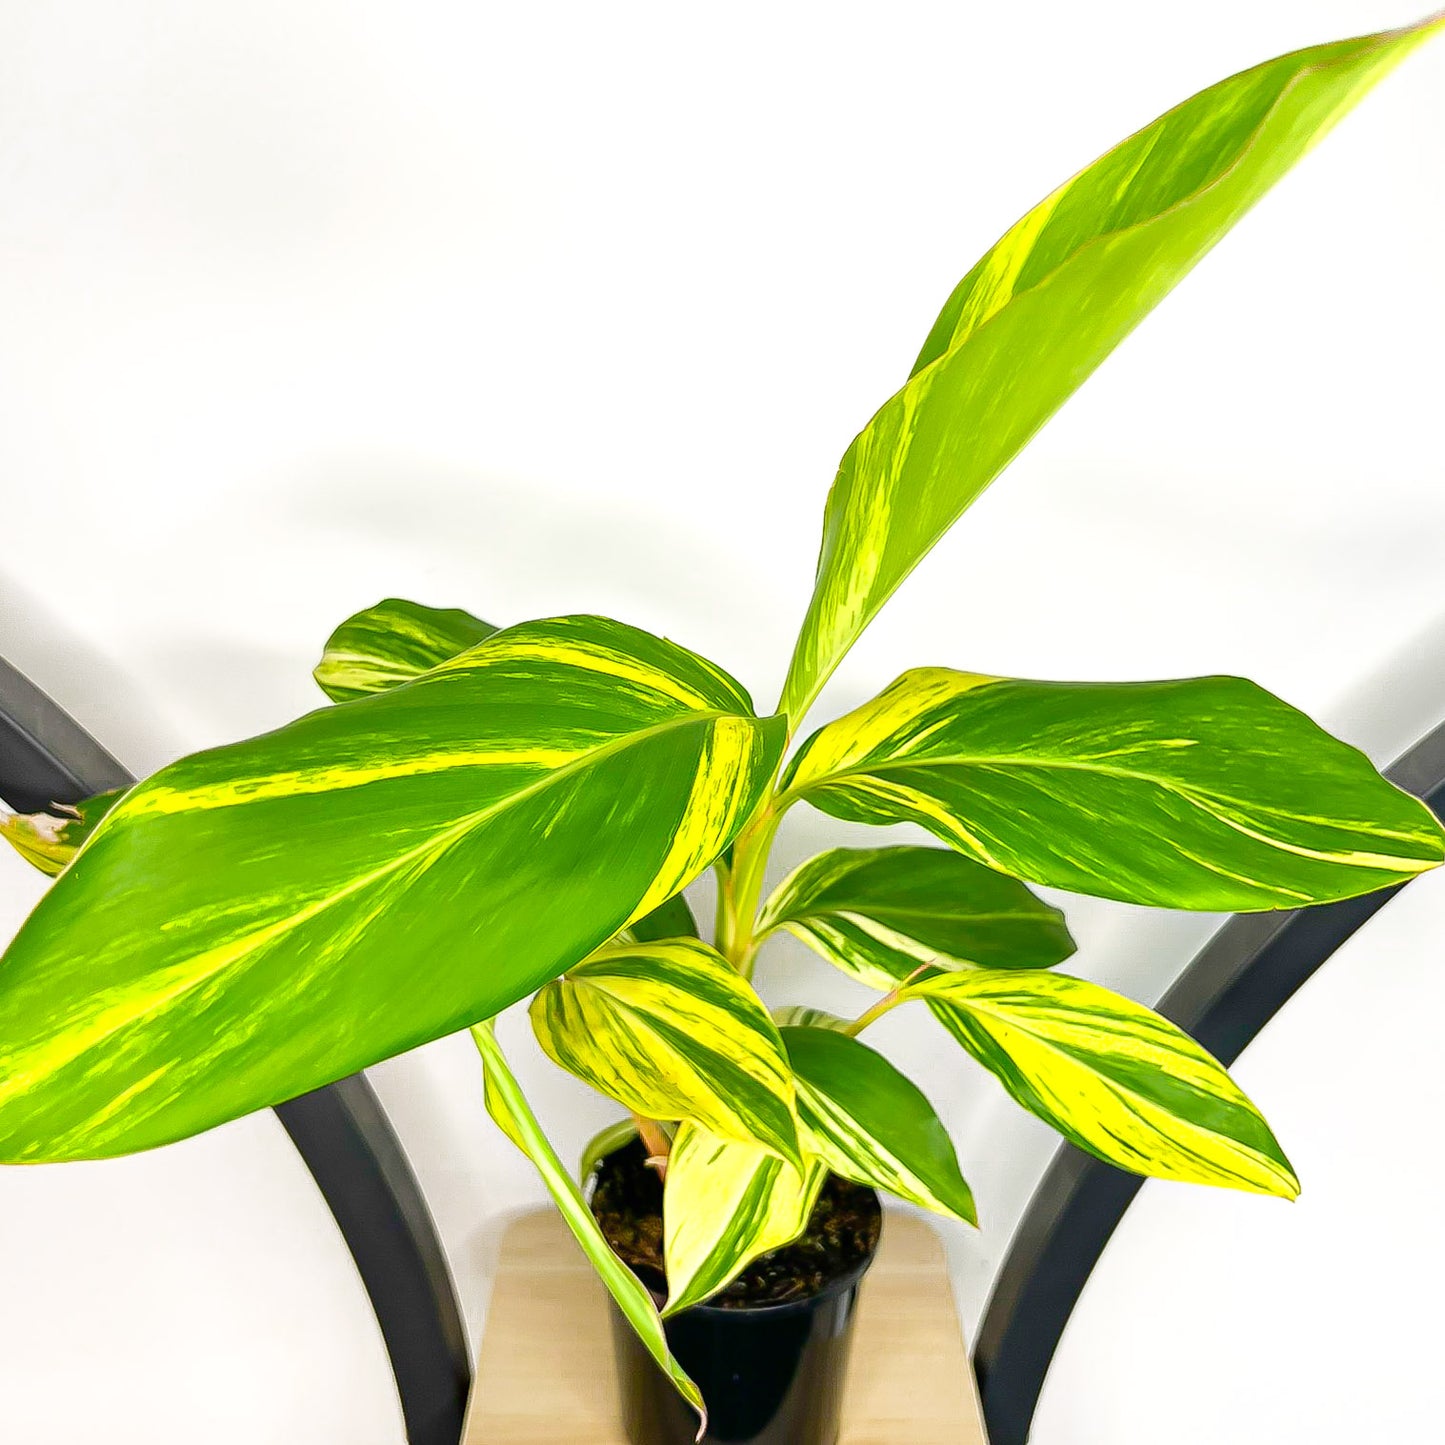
pixel 391 643
pixel 1207 793
pixel 1112 1076
pixel 508 1106
pixel 673 1031
pixel 723 1205
pixel 50 840
pixel 255 921
pixel 1045 306
pixel 881 913
pixel 868 1123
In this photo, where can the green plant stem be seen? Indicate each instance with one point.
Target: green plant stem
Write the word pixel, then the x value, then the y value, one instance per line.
pixel 884 1005
pixel 741 890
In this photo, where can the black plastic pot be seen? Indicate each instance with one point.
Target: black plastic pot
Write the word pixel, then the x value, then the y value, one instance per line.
pixel 771 1374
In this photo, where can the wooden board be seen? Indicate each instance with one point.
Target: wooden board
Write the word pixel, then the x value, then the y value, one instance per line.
pixel 545 1375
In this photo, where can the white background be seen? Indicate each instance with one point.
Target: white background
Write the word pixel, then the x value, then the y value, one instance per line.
pixel 546 308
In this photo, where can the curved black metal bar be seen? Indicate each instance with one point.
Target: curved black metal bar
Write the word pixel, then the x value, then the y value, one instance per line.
pixel 1225 997
pixel 340 1131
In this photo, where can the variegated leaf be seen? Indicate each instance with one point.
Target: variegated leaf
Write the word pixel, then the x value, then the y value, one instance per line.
pixel 868 1123
pixel 880 914
pixel 1112 1076
pixel 508 1106
pixel 723 1205
pixel 672 919
pixel 391 643
pixel 50 840
pixel 1046 305
pixel 800 1016
pixel 672 1031
pixel 1207 793
pixel 257 920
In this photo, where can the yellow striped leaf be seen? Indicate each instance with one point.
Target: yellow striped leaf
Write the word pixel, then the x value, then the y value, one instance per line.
pixel 672 1031
pixel 257 920
pixel 1045 306
pixel 508 1106
pixel 880 914
pixel 392 643
pixel 50 840
pixel 800 1016
pixel 868 1123
pixel 1112 1076
pixel 723 1205
pixel 1206 793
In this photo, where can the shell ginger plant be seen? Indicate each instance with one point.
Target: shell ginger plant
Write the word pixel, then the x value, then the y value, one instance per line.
pixel 491 814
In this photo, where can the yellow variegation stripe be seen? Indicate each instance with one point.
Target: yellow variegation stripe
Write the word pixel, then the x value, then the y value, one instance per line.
pixel 1202 793
pixel 391 643
pixel 723 1205
pixel 672 1031
pixel 251 922
pixel 867 1122
pixel 1046 306
pixel 1112 1076
pixel 508 1106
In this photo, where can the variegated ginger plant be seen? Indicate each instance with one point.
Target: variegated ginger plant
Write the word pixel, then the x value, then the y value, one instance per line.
pixel 491 814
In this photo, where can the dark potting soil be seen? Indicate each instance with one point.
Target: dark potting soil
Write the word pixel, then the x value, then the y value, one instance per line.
pixel 841 1234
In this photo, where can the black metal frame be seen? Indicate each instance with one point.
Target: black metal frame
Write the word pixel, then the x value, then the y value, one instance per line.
pixel 340 1131
pixel 1226 996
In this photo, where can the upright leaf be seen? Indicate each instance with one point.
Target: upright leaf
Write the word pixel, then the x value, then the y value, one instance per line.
pixel 1112 1076
pixel 508 1106
pixel 50 840
pixel 880 914
pixel 869 1123
pixel 1045 306
pixel 673 1031
pixel 257 920
pixel 723 1205
pixel 1207 793
pixel 391 643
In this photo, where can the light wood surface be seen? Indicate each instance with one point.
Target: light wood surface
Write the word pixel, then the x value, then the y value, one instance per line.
pixel 545 1375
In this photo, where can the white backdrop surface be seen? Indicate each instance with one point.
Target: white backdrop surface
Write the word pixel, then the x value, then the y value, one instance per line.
pixel 548 308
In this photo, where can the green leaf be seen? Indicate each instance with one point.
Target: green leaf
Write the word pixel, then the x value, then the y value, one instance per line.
pixel 723 1205
pixel 1045 306
pixel 1111 1076
pixel 50 840
pixel 391 643
pixel 1207 793
pixel 868 1123
pixel 672 1031
pixel 602 1143
pixel 672 919
pixel 508 1106
pixel 881 913
pixel 257 920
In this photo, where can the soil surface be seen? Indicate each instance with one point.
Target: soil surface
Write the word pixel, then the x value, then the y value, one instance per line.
pixel 841 1234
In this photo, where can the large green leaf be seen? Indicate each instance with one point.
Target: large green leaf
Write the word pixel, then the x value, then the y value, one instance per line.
pixel 723 1205
pixel 869 1123
pixel 391 643
pixel 882 913
pixel 508 1106
pixel 1206 793
pixel 1045 306
pixel 50 840
pixel 672 1031
pixel 1112 1076
pixel 255 921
